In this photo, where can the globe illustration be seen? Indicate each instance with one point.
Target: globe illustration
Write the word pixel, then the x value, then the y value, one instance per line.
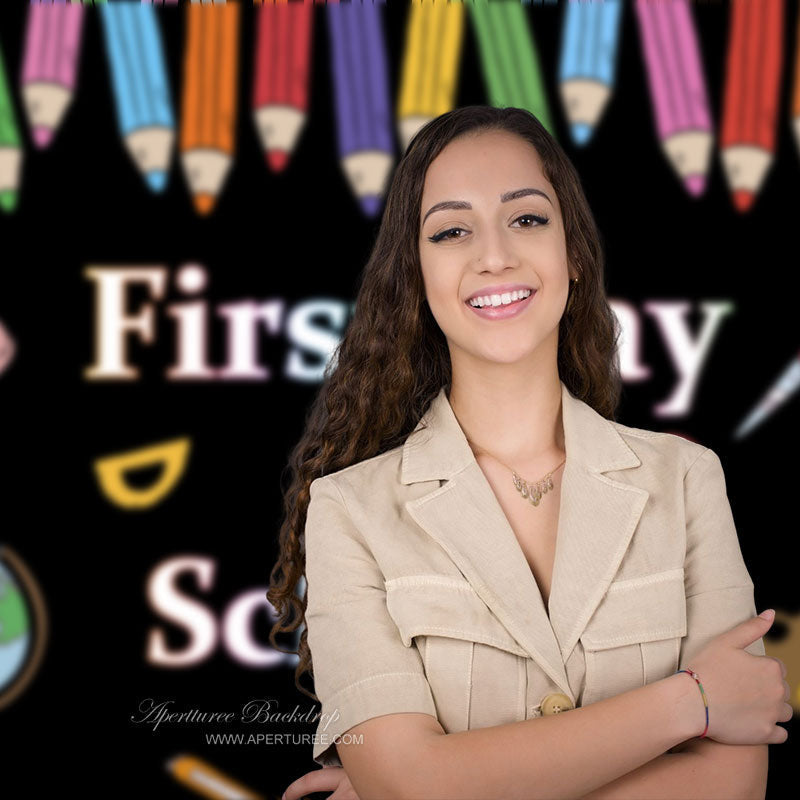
pixel 23 625
pixel 15 634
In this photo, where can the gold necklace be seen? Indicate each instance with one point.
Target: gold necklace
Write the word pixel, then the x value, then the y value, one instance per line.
pixel 530 491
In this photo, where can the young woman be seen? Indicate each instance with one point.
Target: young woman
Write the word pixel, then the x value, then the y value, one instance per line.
pixel 484 546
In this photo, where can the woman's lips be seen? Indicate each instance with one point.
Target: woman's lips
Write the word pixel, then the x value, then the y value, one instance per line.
pixel 503 312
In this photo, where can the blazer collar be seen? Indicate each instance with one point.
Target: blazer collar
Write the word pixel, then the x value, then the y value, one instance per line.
pixel 597 517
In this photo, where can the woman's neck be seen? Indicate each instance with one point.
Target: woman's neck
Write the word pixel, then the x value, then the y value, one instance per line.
pixel 522 427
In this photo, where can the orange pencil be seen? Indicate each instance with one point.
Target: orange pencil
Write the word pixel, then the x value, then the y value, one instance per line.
pixel 751 96
pixel 200 777
pixel 208 113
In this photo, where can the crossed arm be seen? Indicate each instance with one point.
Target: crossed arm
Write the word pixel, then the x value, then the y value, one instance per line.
pixel 698 769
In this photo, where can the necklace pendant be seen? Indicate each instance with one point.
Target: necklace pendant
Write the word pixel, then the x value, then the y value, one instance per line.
pixel 533 491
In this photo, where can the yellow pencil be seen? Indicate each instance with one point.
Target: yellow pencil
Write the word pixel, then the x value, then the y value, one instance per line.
pixel 429 72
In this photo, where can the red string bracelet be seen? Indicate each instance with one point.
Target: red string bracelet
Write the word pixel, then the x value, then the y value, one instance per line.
pixel 692 674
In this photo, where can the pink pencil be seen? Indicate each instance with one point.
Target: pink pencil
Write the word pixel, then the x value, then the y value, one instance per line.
pixel 50 65
pixel 677 88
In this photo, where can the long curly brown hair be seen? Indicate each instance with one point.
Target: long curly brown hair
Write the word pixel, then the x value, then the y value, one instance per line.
pixel 393 358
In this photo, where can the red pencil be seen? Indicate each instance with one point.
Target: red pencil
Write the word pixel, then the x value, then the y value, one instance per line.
pixel 751 96
pixel 282 65
pixel 796 89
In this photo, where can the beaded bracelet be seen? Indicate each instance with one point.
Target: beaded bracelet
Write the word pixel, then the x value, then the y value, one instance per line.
pixel 692 674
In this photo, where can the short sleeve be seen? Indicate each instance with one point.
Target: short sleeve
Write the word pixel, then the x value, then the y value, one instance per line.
pixel 719 590
pixel 361 667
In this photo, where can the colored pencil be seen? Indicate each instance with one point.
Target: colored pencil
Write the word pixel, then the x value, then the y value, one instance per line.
pixel 677 88
pixel 50 65
pixel 140 84
pixel 508 56
pixel 785 387
pixel 200 777
pixel 429 70
pixel 281 73
pixel 795 115
pixel 10 145
pixel 208 114
pixel 362 102
pixel 751 96
pixel 587 63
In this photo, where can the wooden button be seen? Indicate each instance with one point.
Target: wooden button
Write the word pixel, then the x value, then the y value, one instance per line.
pixel 556 703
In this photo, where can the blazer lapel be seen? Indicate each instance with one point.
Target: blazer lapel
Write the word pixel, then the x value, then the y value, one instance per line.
pixel 597 518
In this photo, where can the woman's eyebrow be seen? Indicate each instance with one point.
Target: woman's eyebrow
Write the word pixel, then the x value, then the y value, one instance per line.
pixel 461 205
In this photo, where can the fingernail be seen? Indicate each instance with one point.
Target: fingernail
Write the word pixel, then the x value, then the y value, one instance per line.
pixel 768 614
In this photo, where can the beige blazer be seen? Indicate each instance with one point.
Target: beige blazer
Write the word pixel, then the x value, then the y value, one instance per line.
pixel 420 597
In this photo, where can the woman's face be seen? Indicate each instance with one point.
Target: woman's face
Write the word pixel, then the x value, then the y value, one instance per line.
pixel 506 232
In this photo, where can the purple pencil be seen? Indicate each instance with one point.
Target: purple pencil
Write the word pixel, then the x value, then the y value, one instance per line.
pixel 361 96
pixel 50 65
pixel 677 88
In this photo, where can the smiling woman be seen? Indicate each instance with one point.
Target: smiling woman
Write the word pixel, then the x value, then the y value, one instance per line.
pixel 487 243
pixel 456 609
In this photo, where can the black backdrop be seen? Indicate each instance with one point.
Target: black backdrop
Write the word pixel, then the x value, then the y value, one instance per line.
pixel 295 237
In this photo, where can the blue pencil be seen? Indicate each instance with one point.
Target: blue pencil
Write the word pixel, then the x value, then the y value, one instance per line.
pixel 140 86
pixel 587 66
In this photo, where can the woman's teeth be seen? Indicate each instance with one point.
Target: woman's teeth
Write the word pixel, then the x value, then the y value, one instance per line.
pixel 499 299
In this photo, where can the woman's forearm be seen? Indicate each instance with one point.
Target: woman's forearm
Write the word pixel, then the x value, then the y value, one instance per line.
pixel 566 755
pixel 682 776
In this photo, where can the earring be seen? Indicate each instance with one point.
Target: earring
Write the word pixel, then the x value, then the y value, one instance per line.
pixel 574 283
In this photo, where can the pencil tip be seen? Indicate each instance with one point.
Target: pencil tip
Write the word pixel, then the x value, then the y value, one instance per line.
pixel 695 184
pixel 204 203
pixel 8 200
pixel 581 132
pixel 277 160
pixel 42 136
pixel 371 205
pixel 743 200
pixel 156 179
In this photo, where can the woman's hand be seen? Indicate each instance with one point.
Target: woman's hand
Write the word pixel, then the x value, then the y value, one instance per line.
pixel 327 779
pixel 747 694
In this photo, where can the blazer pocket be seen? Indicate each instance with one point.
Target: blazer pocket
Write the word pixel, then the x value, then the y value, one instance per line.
pixel 475 668
pixel 634 636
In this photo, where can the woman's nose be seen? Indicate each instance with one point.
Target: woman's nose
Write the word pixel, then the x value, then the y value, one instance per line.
pixel 495 252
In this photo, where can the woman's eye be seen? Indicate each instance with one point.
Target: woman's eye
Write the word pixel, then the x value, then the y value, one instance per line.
pixel 444 235
pixel 539 219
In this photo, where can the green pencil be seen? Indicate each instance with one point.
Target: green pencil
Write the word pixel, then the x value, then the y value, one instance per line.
pixel 10 147
pixel 509 58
